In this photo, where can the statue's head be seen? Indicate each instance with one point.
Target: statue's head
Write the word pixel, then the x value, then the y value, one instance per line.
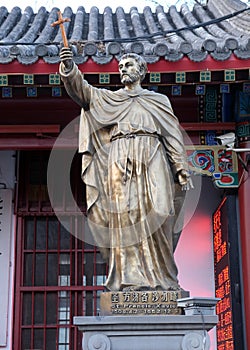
pixel 139 61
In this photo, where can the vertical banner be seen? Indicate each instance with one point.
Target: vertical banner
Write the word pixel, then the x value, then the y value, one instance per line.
pixel 227 276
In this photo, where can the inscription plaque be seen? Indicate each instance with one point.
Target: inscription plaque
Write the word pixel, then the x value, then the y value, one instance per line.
pixel 141 303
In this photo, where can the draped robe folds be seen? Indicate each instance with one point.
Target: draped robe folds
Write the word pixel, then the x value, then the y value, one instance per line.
pixel 130 186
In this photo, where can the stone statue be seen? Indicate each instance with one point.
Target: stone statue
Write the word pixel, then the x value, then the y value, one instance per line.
pixel 134 167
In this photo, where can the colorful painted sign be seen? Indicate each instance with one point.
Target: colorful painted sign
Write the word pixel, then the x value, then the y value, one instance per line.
pixel 216 161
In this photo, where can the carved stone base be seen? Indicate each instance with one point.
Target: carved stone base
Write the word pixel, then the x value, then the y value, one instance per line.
pixel 170 332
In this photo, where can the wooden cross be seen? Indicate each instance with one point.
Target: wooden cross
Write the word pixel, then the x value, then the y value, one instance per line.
pixel 60 22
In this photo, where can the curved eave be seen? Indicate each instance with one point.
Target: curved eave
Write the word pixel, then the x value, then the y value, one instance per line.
pixel 40 67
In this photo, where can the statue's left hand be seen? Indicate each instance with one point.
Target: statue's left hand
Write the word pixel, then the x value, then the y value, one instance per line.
pixel 185 180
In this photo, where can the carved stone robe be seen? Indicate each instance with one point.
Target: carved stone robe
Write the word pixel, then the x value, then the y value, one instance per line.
pixel 132 150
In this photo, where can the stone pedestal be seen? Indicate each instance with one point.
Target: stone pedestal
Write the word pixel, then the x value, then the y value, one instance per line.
pixel 186 331
pixel 180 332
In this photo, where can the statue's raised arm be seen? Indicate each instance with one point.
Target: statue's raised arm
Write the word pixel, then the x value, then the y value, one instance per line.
pixel 75 84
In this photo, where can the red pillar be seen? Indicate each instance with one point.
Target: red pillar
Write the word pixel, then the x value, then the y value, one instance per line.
pixel 244 205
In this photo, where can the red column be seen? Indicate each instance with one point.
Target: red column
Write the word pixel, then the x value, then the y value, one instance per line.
pixel 244 205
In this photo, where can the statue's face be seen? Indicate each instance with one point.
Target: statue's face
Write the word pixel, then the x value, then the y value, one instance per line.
pixel 129 71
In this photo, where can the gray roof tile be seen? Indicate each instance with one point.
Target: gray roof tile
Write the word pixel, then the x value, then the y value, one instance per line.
pixel 195 33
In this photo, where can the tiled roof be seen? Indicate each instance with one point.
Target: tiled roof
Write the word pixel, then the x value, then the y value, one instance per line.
pixel 220 29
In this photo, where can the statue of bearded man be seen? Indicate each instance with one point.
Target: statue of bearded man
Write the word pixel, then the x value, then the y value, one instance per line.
pixel 136 174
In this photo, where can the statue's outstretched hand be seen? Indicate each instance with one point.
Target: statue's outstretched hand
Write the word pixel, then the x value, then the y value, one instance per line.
pixel 185 180
pixel 66 57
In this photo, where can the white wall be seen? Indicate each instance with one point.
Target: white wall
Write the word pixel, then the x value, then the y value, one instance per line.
pixel 7 235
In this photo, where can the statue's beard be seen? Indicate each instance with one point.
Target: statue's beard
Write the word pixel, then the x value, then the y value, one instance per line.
pixel 130 78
